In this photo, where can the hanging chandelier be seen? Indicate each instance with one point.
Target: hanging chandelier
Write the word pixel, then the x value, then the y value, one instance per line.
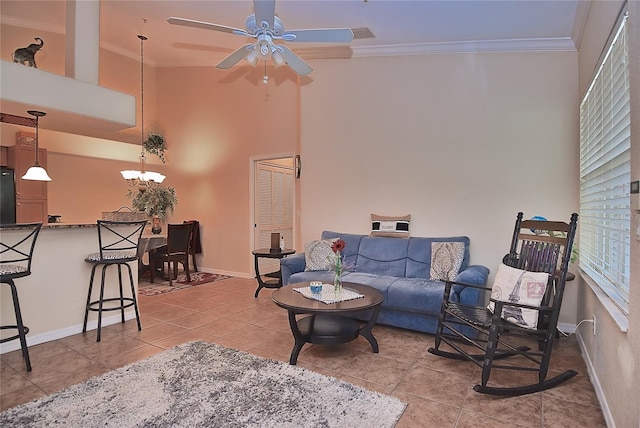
pixel 142 178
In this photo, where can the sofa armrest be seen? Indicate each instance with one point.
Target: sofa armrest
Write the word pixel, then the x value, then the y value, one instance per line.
pixel 290 265
pixel 470 285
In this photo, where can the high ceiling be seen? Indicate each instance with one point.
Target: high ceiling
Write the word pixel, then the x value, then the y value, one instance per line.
pixel 399 27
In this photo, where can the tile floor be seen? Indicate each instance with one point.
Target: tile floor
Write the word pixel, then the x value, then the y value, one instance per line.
pixel 438 391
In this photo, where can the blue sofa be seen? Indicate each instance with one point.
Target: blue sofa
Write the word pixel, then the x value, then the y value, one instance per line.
pixel 400 269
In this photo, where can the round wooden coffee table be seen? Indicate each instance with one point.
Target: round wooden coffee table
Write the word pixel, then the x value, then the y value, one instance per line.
pixel 328 323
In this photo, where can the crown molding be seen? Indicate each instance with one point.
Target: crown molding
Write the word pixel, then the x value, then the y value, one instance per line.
pixel 560 44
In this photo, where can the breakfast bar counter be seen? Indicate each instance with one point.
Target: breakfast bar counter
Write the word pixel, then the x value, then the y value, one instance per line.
pixel 53 297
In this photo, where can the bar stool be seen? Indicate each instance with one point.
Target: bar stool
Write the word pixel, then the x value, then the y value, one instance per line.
pixel 118 242
pixel 16 253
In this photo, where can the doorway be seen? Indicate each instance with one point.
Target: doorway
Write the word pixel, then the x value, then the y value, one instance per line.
pixel 273 205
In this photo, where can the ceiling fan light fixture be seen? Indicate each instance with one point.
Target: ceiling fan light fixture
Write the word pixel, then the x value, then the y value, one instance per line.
pixel 266 27
pixel 278 60
pixel 251 57
pixel 263 47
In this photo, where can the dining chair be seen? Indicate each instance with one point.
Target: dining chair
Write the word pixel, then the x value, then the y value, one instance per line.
pixel 176 251
pixel 195 247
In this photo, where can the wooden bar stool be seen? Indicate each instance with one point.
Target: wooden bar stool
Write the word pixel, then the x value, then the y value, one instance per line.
pixel 16 253
pixel 118 241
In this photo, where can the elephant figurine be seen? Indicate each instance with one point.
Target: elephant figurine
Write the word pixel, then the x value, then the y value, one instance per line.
pixel 26 56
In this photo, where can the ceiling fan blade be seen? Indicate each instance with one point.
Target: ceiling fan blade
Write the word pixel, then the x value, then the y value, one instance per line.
pixel 235 57
pixel 294 61
pixel 205 25
pixel 321 35
pixel 265 10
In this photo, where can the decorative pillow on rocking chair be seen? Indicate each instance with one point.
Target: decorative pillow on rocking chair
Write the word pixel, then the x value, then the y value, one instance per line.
pixel 519 286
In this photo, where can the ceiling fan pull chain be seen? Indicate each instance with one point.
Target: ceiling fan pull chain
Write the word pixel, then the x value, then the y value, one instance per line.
pixel 265 79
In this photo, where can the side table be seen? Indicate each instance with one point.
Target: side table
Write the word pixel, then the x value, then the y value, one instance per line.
pixel 269 254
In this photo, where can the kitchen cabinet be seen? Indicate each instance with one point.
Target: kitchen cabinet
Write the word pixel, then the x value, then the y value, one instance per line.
pixel 31 196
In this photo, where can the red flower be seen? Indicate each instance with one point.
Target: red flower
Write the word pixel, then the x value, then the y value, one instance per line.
pixel 338 245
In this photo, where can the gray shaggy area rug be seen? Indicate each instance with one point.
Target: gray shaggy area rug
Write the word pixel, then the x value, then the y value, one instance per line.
pixel 199 384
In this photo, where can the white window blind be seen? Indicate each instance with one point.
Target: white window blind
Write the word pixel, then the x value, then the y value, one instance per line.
pixel 605 173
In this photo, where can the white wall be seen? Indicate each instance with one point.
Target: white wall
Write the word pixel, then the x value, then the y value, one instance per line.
pixel 460 142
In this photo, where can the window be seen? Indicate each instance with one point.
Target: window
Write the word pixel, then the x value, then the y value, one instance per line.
pixel 605 173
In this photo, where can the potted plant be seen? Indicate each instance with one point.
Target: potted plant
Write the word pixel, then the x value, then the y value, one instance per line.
pixel 155 144
pixel 154 201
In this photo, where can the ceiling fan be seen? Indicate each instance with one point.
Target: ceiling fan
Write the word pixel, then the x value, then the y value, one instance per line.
pixel 266 28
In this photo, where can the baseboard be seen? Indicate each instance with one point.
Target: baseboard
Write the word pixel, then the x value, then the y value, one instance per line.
pixel 606 412
pixel 227 273
pixel 64 332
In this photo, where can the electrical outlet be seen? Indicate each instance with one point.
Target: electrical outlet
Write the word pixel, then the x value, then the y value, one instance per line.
pixel 594 324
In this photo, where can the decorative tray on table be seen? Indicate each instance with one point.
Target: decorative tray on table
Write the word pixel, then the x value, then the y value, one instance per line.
pixel 328 295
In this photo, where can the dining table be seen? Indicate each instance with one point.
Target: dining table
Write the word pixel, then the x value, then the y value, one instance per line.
pixel 149 242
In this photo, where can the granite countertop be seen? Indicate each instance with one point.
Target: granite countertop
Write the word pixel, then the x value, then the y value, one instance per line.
pixel 67 225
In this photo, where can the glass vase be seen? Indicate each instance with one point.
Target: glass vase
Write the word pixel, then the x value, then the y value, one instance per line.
pixel 156 227
pixel 337 284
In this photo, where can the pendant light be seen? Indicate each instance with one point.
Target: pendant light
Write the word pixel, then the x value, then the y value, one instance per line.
pixel 36 172
pixel 142 178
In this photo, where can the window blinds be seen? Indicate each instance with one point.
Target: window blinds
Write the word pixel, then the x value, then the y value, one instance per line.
pixel 605 173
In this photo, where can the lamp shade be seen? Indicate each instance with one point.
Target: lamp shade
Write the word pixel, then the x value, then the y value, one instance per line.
pixel 252 58
pixel 132 174
pixel 152 176
pixel 36 173
pixel 278 60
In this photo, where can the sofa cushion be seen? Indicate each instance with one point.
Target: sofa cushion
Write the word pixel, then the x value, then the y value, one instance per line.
pixel 352 245
pixel 390 226
pixel 316 253
pixel 416 294
pixel 419 255
pixel 380 282
pixel 446 259
pixel 383 256
pixel 325 276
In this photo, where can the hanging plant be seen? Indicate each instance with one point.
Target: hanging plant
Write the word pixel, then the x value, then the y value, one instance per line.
pixel 155 144
pixel 155 200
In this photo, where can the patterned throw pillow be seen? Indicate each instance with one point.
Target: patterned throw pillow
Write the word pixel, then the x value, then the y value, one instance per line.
pixel 390 226
pixel 446 259
pixel 519 286
pixel 315 254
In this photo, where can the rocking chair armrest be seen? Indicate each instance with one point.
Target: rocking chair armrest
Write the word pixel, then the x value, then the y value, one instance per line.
pixel 462 292
pixel 458 286
pixel 500 303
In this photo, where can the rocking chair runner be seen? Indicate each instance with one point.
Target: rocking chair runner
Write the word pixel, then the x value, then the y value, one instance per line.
pixel 537 247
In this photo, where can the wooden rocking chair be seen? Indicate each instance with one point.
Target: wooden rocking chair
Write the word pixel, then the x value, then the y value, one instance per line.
pixel 535 267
